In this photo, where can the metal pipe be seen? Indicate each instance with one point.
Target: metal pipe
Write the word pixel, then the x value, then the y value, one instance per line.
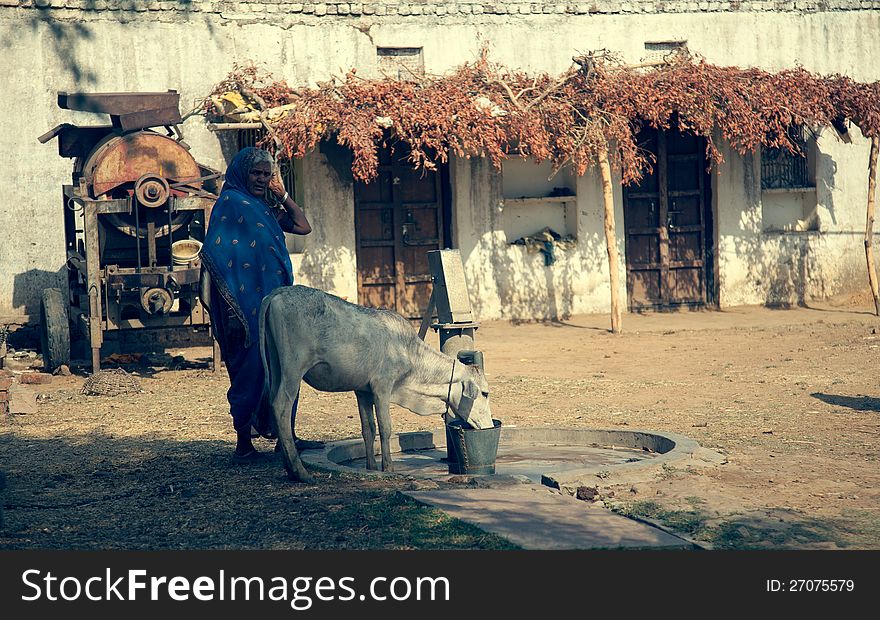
pixel 168 206
pixel 137 228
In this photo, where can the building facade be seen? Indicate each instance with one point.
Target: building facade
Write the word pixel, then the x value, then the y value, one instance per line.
pixel 756 229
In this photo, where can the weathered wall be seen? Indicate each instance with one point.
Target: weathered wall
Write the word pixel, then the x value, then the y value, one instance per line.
pixel 189 46
pixel 760 266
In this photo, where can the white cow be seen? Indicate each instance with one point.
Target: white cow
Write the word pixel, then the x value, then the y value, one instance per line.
pixel 337 346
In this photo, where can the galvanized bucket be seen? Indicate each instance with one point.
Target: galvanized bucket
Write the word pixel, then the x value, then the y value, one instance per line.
pixel 471 450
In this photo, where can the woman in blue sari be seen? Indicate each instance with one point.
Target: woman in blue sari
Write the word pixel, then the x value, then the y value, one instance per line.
pixel 246 256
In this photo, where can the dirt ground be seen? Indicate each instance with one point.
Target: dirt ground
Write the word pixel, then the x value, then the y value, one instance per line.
pixel 790 398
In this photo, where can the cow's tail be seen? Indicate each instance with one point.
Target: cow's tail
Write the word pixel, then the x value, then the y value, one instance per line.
pixel 264 311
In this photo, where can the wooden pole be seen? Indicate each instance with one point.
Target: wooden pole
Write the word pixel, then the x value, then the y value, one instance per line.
pixel 610 240
pixel 869 226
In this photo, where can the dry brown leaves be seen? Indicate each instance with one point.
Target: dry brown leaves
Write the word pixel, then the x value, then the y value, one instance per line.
pixel 483 109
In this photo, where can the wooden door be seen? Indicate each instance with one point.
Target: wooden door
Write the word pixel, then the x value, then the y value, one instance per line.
pixel 398 218
pixel 667 220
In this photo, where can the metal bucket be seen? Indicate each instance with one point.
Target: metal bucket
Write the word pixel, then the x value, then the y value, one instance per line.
pixel 185 251
pixel 471 450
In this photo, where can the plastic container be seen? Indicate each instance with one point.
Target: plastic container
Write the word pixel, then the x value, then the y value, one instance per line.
pixel 471 450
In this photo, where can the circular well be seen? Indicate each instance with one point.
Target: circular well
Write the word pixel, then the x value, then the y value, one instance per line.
pixel 552 457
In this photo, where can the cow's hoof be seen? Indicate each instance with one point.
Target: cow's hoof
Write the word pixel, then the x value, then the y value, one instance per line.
pixel 304 476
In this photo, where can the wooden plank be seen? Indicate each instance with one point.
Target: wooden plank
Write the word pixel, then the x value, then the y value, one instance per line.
pixel 663 215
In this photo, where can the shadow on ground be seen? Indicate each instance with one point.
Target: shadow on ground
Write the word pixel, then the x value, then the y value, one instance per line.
pixel 859 403
pixel 103 492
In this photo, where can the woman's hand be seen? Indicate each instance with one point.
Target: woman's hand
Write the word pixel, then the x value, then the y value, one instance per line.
pixel 276 185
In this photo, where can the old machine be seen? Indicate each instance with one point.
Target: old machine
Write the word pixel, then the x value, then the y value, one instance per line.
pixel 134 219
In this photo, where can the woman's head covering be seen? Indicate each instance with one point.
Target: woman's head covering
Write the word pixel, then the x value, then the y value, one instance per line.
pixel 241 165
pixel 244 249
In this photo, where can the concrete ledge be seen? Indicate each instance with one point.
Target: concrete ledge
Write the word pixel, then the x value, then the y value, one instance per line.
pixel 668 447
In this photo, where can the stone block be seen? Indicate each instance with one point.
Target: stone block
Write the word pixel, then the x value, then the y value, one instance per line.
pixel 22 400
pixel 35 378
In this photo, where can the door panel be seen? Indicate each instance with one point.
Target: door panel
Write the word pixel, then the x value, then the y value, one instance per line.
pixel 377 225
pixel 684 173
pixel 374 296
pixel 645 250
pixel 665 217
pixel 398 219
pixel 644 285
pixel 685 247
pixel 687 285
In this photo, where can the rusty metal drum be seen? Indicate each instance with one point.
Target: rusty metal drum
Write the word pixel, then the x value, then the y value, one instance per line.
pixel 120 160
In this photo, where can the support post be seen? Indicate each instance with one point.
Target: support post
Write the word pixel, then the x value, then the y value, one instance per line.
pixel 869 225
pixel 610 240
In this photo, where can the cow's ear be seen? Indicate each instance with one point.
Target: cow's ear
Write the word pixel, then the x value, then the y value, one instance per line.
pixel 470 390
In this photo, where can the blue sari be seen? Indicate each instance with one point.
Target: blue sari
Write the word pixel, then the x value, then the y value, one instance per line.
pixel 245 254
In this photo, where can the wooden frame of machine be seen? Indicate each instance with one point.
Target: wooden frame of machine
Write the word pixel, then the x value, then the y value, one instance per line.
pixel 134 220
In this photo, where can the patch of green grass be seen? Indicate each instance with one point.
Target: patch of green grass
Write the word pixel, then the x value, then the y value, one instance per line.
pixel 774 529
pixel 692 522
pixel 392 520
pixel 668 471
pixel 738 535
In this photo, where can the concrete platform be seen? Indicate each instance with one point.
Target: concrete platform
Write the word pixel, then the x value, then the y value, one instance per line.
pixel 561 458
pixel 534 517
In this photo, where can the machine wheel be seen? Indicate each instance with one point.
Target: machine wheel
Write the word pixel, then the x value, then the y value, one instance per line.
pixel 54 329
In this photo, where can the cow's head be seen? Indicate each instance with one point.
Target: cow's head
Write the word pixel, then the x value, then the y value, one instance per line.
pixel 473 406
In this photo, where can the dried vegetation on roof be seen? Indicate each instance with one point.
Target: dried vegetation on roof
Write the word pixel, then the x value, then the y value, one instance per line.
pixel 487 110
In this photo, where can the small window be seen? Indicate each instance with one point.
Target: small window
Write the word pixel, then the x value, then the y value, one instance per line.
pixel 782 169
pixel 788 185
pixel 400 63
pixel 674 45
pixel 250 137
pixel 665 50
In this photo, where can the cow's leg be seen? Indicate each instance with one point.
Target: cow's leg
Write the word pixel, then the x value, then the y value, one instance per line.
pixel 383 417
pixel 368 427
pixel 282 402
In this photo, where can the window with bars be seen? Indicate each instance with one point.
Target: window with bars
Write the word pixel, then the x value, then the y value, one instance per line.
pixel 250 137
pixel 781 169
pixel 788 185
pixel 402 63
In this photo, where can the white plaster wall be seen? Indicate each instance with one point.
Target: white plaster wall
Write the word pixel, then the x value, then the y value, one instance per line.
pixel 92 51
pixel 508 282
pixel 329 261
pixel 792 267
